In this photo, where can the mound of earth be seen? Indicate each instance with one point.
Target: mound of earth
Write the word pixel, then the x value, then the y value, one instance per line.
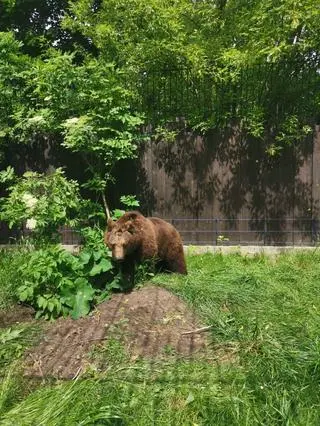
pixel 147 321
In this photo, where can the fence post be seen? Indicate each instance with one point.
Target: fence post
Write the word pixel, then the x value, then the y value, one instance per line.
pixel 217 229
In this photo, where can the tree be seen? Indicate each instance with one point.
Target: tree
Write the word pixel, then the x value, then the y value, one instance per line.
pixel 38 25
pixel 86 105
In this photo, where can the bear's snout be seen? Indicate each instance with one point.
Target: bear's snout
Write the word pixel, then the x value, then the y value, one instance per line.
pixel 118 259
pixel 118 254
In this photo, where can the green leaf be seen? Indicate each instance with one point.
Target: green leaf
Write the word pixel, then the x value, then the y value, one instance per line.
pixel 38 314
pixel 115 284
pixel 23 295
pixel 51 306
pixel 81 301
pixel 104 295
pixel 97 255
pixel 85 257
pixel 9 334
pixel 105 265
pixel 96 270
pixel 41 301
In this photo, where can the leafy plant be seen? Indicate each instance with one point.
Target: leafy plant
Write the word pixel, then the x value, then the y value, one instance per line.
pixel 14 340
pixel 10 346
pixel 54 284
pixel 129 201
pixel 95 257
pixel 57 282
pixel 42 203
pixel 7 175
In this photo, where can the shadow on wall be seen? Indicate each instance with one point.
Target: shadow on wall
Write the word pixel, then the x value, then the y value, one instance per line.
pixel 44 155
pixel 223 177
pixel 231 177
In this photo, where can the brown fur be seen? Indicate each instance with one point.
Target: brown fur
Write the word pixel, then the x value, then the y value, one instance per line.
pixel 135 238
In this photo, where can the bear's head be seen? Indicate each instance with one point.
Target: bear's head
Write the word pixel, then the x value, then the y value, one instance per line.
pixel 122 236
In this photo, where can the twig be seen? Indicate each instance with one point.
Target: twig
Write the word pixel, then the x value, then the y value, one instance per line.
pixel 198 330
pixel 77 373
pixel 106 208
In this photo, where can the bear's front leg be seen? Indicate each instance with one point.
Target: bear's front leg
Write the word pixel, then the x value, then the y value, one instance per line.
pixel 127 272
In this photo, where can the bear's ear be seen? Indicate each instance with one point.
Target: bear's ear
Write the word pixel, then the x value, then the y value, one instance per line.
pixel 130 227
pixel 110 224
pixel 133 215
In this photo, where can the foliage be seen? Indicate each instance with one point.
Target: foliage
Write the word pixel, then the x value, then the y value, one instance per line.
pixel 83 106
pixel 95 257
pixel 129 201
pixel 13 341
pixel 81 74
pixel 9 335
pixel 36 23
pixel 250 62
pixel 263 368
pixel 7 175
pixel 56 282
pixel 42 203
pixel 10 277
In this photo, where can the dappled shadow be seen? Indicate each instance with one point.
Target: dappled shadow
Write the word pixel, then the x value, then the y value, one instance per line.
pixel 230 177
pixel 219 185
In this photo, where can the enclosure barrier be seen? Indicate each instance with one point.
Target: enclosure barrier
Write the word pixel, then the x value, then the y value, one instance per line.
pixel 217 231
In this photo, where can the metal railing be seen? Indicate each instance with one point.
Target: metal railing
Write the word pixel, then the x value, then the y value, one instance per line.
pixel 278 88
pixel 217 231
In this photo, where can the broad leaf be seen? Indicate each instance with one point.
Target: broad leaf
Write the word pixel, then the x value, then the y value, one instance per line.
pixel 85 257
pixel 81 301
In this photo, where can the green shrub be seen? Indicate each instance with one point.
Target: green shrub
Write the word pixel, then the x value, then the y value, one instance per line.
pixel 56 282
pixel 42 203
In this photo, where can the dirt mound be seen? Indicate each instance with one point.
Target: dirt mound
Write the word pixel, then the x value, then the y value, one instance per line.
pixel 17 315
pixel 148 320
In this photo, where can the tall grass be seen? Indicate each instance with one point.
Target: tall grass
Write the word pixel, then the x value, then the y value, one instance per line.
pixel 268 311
pixel 264 315
pixel 10 276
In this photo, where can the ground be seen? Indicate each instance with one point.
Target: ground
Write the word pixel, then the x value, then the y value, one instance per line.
pixel 132 364
pixel 150 323
pixel 19 314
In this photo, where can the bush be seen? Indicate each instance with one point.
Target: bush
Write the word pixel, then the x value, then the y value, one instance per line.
pixel 56 282
pixel 42 203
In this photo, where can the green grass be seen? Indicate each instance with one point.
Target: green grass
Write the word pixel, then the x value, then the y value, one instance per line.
pixel 10 276
pixel 264 313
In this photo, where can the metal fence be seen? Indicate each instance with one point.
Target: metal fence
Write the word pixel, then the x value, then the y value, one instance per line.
pixel 217 231
pixel 171 184
pixel 246 231
pixel 289 86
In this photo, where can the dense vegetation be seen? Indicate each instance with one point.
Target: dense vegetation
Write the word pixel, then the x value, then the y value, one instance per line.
pixel 264 366
pixel 83 77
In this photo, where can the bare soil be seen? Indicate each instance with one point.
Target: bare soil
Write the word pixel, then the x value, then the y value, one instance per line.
pixel 18 315
pixel 149 320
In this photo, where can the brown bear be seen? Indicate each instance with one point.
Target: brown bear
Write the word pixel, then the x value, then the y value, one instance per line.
pixel 135 238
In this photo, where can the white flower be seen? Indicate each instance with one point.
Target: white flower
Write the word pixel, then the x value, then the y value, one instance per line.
pixel 71 121
pixel 31 223
pixel 29 200
pixel 36 119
